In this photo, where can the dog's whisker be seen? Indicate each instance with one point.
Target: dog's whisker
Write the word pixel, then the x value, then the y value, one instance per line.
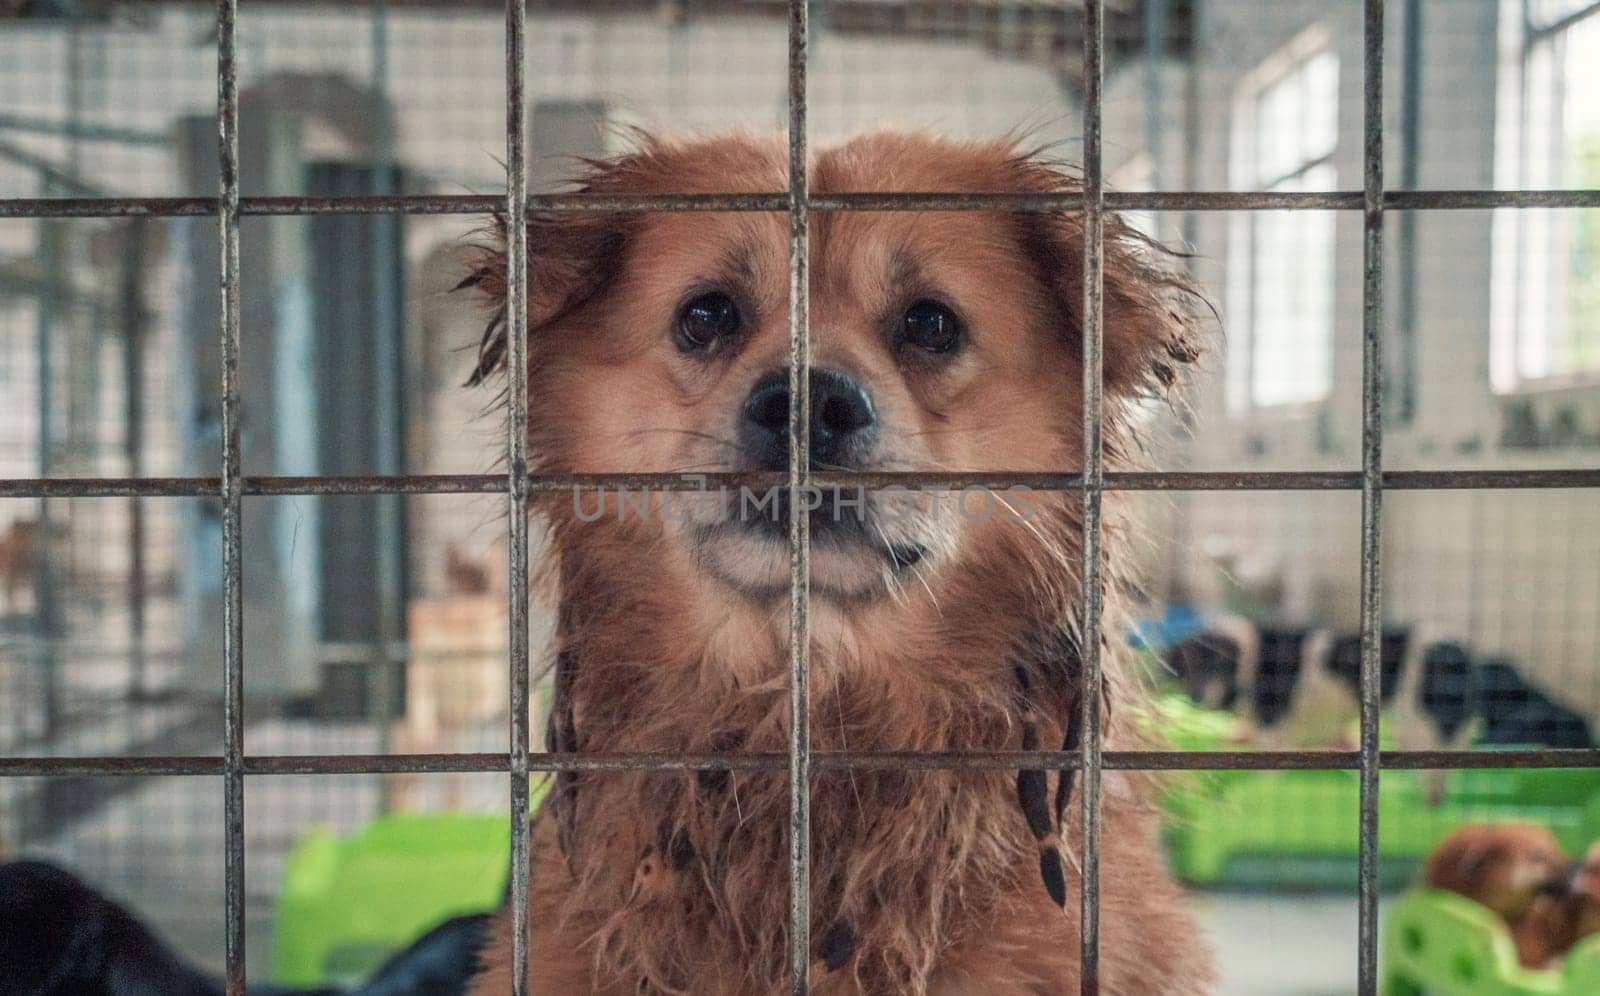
pixel 716 466
pixel 673 431
pixel 946 431
pixel 915 571
pixel 844 733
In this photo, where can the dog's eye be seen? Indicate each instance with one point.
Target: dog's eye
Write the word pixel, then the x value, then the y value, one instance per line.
pixel 706 320
pixel 931 326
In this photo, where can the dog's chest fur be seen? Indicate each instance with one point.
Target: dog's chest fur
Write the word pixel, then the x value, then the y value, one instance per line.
pixel 675 868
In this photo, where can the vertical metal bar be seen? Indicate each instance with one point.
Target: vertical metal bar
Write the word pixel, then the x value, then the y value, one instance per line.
pixel 232 497
pixel 1094 481
pixel 799 520
pixel 1371 488
pixel 517 461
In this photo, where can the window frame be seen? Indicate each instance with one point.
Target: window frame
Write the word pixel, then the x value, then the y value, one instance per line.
pixel 1241 287
pixel 1523 120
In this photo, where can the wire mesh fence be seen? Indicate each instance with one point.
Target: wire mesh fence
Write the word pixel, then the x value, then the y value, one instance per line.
pixel 193 470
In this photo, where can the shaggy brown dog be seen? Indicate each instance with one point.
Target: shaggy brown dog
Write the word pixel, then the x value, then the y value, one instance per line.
pixel 1518 871
pixel 940 341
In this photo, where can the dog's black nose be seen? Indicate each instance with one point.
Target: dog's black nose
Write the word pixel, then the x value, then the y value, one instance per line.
pixel 842 420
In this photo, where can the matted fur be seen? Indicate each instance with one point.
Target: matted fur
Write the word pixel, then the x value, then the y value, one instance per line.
pixel 924 882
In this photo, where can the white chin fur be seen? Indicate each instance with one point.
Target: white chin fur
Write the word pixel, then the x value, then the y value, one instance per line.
pixel 759 566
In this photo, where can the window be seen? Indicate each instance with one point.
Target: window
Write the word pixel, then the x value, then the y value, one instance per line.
pixel 1280 273
pixel 1546 290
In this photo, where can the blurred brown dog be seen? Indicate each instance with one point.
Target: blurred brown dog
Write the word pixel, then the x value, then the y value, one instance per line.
pixel 940 341
pixel 1517 870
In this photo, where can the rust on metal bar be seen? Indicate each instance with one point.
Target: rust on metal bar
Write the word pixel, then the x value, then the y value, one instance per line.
pixel 1122 760
pixel 1127 200
pixel 774 202
pixel 1371 495
pixel 227 208
pixel 1244 480
pixel 1092 584
pixel 517 477
pixel 799 525
pixel 107 207
pixel 1478 200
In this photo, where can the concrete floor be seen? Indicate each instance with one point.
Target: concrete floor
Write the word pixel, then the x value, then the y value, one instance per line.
pixel 1282 945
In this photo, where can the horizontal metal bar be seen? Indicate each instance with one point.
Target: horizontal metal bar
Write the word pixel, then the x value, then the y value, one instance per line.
pixel 381 484
pixel 391 204
pixel 308 764
pixel 74 767
pixel 467 204
pixel 1428 760
pixel 181 207
pixel 498 763
pixel 109 487
pixel 544 203
pixel 485 204
pixel 202 487
pixel 377 764
pixel 107 207
pixel 1227 200
pixel 1459 200
pixel 1264 480
pixel 1072 201
pixel 478 204
pixel 1393 480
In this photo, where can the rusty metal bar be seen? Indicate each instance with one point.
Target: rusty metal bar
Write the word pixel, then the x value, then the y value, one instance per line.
pixel 1129 200
pixel 107 207
pixel 517 475
pixel 1092 594
pixel 227 207
pixel 374 764
pixel 1371 495
pixel 799 522
pixel 1215 200
pixel 1480 200
pixel 233 765
pixel 769 202
pixel 1247 480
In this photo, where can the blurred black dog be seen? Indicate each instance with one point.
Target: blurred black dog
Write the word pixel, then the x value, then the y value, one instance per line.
pixel 1295 687
pixel 59 937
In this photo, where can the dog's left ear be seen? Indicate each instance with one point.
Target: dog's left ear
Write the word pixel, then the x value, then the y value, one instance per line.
pixel 1151 307
pixel 572 257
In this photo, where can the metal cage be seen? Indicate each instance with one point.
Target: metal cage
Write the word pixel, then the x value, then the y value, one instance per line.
pixel 1371 480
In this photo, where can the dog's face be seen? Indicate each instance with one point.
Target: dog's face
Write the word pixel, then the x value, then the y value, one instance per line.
pixel 1504 867
pixel 939 341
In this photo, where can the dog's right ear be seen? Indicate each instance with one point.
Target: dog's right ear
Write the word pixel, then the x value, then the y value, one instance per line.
pixel 1151 308
pixel 572 257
